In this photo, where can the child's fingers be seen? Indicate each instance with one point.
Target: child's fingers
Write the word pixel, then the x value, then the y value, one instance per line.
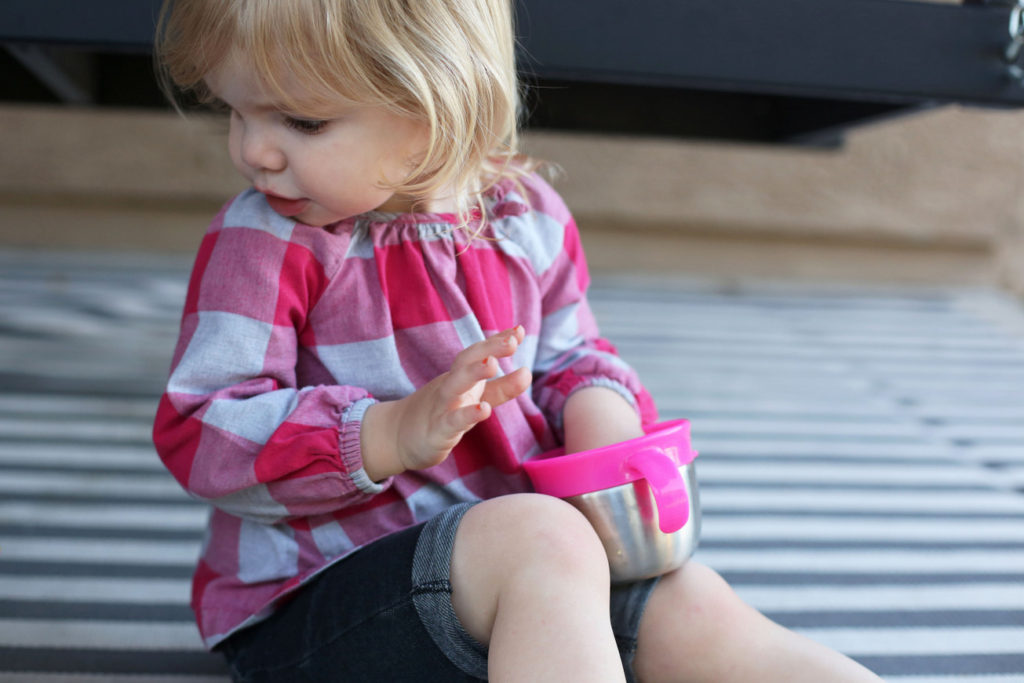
pixel 499 345
pixel 502 389
pixel 509 340
pixel 463 419
pixel 463 378
pixel 478 362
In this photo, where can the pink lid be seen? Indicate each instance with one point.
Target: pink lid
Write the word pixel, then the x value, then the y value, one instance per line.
pixel 562 476
pixel 656 457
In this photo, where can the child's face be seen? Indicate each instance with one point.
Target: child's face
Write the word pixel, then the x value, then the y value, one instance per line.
pixel 316 172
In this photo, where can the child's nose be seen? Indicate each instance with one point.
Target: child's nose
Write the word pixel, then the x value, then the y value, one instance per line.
pixel 259 151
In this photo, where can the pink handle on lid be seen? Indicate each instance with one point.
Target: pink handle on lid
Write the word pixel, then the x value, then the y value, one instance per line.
pixel 662 474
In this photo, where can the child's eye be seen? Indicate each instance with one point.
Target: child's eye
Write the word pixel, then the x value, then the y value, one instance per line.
pixel 305 126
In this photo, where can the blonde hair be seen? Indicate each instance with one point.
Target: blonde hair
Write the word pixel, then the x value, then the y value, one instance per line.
pixel 448 63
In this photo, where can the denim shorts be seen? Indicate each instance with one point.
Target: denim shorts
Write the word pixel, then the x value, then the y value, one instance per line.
pixel 385 614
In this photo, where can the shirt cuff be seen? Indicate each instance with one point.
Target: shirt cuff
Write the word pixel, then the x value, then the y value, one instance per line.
pixel 350 447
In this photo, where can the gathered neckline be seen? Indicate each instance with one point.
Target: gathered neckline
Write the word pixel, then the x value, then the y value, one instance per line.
pixel 499 205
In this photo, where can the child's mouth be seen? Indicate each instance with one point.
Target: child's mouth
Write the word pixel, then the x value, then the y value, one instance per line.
pixel 286 207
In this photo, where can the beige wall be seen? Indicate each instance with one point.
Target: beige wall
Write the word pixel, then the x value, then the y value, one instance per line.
pixel 936 196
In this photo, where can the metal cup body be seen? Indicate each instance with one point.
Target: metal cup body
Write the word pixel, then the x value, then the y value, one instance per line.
pixel 626 520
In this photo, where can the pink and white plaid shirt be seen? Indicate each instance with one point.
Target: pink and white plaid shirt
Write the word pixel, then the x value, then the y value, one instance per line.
pixel 290 332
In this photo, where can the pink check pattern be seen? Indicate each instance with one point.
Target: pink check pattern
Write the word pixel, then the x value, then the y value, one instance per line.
pixel 289 333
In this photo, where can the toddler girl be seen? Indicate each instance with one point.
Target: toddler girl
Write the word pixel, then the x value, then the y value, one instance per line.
pixel 376 334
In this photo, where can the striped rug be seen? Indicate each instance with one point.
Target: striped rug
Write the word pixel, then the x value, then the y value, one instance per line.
pixel 861 468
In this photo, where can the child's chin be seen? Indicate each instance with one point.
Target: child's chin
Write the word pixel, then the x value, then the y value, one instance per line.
pixel 314 219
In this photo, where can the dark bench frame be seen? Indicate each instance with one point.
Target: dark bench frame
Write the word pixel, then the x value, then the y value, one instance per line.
pixel 788 70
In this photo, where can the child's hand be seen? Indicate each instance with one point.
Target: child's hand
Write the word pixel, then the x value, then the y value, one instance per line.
pixel 421 429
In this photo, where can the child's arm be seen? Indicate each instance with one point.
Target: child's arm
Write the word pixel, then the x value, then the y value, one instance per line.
pixel 597 416
pixel 421 429
pixel 574 363
pixel 233 426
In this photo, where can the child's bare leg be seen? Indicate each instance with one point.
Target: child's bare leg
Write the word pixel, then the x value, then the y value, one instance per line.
pixel 530 580
pixel 695 628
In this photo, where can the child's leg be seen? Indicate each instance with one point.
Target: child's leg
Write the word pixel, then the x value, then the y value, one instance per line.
pixel 695 628
pixel 530 580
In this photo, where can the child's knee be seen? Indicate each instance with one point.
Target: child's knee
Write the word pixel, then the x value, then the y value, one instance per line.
pixel 559 533
pixel 526 531
pixel 700 589
pixel 520 547
pixel 696 596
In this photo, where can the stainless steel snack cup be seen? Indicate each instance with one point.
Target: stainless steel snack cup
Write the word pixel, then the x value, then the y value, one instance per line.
pixel 640 496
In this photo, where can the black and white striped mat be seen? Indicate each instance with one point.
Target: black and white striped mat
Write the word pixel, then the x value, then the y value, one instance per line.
pixel 861 468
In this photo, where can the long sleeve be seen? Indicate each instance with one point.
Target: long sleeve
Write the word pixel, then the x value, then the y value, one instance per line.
pixel 571 354
pixel 234 427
